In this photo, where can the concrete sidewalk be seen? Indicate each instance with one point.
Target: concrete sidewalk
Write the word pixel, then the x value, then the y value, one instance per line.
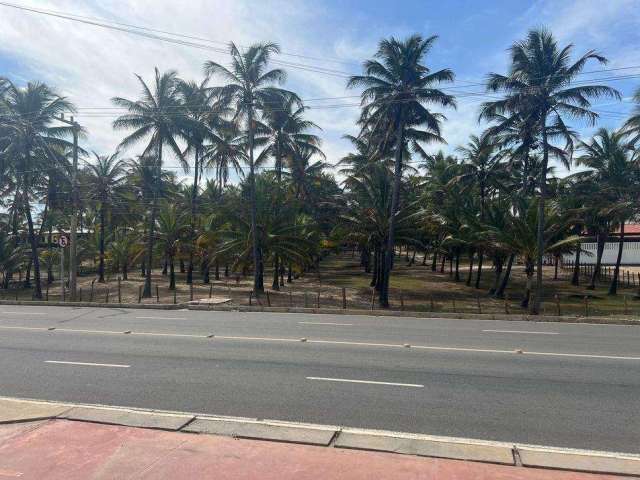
pixel 64 449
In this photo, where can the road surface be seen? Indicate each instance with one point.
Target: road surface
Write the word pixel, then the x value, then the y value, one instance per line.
pixel 572 386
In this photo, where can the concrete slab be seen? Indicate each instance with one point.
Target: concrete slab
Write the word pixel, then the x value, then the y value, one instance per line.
pixel 130 418
pixel 262 431
pixel 12 411
pixel 210 301
pixel 599 462
pixel 426 446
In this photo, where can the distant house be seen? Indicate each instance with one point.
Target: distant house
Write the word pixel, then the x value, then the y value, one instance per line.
pixel 630 252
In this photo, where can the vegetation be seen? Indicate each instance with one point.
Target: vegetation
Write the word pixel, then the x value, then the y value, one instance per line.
pixel 257 196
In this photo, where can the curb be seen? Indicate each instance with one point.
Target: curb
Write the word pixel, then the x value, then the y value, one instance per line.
pixel 340 311
pixel 15 410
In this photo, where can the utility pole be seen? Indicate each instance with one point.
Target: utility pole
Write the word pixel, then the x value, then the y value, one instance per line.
pixel 73 268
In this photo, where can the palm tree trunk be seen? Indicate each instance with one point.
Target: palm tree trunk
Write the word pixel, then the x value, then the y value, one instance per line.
pixel 457 274
pixel 172 274
pixel 498 263
pixel 50 277
pixel 33 241
pixel 275 285
pixel 556 261
pixel 479 274
pixel 146 293
pixel 101 264
pixel 602 239
pixel 257 280
pixel 395 200
pixel 575 279
pixel 289 274
pixel 472 254
pixel 434 260
pixel 125 270
pixel 194 197
pixel 380 269
pixel 374 277
pixel 506 277
pixel 205 267
pixel 537 302
pixel 613 288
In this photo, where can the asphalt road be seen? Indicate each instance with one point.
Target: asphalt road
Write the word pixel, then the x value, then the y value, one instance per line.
pixel 572 385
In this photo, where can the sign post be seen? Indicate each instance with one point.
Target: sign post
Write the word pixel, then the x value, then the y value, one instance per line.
pixel 63 241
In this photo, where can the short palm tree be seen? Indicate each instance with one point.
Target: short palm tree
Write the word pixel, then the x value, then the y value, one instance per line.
pixel 616 171
pixel 397 89
pixel 251 90
pixel 172 226
pixel 481 169
pixel 104 179
pixel 153 119
pixel 541 92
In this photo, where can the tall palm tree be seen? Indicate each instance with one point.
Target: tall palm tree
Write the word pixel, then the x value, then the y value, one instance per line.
pixel 632 126
pixel 286 130
pixel 616 172
pixel 251 90
pixel 207 110
pixel 397 89
pixel 29 113
pixel 156 119
pixel 541 91
pixel 104 178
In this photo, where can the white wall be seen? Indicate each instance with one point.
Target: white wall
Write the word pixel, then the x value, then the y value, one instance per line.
pixel 630 254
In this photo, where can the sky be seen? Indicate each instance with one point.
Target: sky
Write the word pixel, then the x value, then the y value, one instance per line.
pixel 90 65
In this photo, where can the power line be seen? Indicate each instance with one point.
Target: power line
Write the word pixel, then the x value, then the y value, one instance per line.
pixel 175 34
pixel 129 28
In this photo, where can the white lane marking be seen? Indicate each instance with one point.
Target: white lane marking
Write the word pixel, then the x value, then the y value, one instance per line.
pixel 170 334
pixel 78 330
pixel 521 331
pixel 326 323
pixel 268 339
pixel 361 344
pixel 338 342
pixel 581 355
pixel 24 328
pixel 161 318
pixel 86 364
pixel 346 380
pixel 25 313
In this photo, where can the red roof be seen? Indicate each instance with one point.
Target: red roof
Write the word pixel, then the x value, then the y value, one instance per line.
pixel 633 228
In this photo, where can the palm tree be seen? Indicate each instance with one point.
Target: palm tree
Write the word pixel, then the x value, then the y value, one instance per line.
pixel 397 89
pixel 153 117
pixel 172 225
pixel 251 90
pixel 632 126
pixel 206 109
pixel 225 154
pixel 104 178
pixel 540 90
pixel 28 116
pixel 481 168
pixel 616 172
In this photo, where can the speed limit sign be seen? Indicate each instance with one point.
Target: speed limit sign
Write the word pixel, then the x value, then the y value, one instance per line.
pixel 63 241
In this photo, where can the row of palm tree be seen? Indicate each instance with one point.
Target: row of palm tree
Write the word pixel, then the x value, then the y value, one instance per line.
pixel 261 195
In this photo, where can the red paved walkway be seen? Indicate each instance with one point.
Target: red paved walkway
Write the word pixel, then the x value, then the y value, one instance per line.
pixel 74 450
